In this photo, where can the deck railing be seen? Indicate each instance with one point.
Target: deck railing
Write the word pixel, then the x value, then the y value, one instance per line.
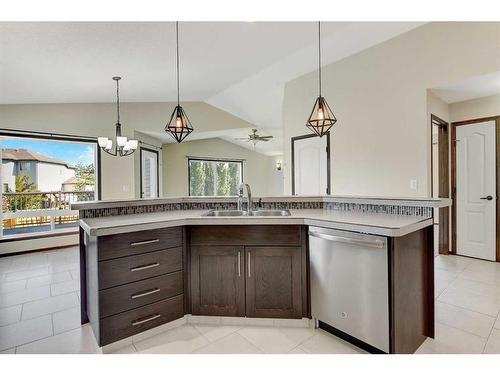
pixel 40 211
pixel 43 200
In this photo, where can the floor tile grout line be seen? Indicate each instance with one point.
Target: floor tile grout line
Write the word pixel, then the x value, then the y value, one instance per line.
pixel 487 338
pixel 449 303
pixel 135 348
pixel 53 312
pixel 491 331
pixel 44 338
pixel 461 330
pixel 208 340
pixel 251 343
pixel 29 342
pixel 33 300
pixel 467 309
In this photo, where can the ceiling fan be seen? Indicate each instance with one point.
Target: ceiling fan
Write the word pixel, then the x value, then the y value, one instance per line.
pixel 255 138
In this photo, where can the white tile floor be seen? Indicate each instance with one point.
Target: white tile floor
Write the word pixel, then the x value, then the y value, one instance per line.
pixel 39 313
pixel 38 299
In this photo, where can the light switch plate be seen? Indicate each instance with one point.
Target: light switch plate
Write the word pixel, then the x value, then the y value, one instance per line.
pixel 413 184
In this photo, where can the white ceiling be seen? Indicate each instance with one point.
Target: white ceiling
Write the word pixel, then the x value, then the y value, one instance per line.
pixel 240 67
pixel 470 88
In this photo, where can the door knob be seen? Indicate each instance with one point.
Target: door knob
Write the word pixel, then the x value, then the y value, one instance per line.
pixel 488 198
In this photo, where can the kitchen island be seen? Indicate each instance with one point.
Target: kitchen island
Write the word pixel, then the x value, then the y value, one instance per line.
pixel 146 263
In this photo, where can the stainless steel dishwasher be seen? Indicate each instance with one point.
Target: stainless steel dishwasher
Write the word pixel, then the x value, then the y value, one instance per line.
pixel 349 284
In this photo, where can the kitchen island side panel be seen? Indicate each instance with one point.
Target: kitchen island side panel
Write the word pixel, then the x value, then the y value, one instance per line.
pixel 411 290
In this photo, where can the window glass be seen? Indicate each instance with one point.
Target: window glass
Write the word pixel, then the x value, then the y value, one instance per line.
pixel 214 177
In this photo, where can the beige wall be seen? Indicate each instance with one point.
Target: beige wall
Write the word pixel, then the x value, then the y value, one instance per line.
pixel 120 176
pixel 477 108
pixel 382 139
pixel 257 169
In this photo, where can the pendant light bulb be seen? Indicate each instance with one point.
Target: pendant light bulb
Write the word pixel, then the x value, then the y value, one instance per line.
pixel 178 122
pixel 121 141
pixel 102 141
pixel 321 115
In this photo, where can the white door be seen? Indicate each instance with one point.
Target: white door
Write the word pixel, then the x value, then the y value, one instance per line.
pixel 476 190
pixel 310 166
pixel 149 174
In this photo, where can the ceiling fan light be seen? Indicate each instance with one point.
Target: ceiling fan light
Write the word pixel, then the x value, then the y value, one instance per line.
pixel 321 119
pixel 179 126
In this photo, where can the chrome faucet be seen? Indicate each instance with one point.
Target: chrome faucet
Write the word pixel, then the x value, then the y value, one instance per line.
pixel 240 198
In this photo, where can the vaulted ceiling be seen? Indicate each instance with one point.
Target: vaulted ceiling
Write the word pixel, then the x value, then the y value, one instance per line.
pixel 240 67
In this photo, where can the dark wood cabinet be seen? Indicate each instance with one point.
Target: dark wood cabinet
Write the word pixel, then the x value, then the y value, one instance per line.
pixel 134 281
pixel 273 282
pixel 217 280
pixel 236 272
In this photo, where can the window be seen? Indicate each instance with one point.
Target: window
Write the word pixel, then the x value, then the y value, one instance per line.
pixel 214 177
pixel 41 176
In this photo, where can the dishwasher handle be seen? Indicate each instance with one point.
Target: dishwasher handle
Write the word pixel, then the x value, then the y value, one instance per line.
pixel 379 244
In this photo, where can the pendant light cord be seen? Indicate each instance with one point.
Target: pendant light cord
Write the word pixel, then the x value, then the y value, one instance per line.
pixel 319 56
pixel 177 42
pixel 117 101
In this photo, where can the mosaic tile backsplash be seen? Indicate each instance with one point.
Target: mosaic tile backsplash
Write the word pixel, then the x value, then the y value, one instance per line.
pixel 358 207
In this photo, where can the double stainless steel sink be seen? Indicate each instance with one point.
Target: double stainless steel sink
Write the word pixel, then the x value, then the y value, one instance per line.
pixel 217 213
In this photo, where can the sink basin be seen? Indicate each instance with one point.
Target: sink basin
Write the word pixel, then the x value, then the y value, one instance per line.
pixel 225 213
pixel 271 213
pixel 245 213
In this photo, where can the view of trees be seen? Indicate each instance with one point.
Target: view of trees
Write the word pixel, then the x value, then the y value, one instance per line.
pixel 85 176
pixel 209 177
pixel 25 184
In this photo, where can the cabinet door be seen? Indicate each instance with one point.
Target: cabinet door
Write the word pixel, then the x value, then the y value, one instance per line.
pixel 217 280
pixel 273 282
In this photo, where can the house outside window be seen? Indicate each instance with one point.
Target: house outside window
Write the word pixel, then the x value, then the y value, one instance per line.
pixel 211 177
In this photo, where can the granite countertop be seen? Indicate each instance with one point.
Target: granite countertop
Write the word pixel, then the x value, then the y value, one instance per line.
pixel 372 223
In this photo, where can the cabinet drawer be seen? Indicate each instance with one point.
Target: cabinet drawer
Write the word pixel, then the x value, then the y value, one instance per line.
pixel 138 267
pixel 132 322
pixel 130 296
pixel 125 244
pixel 246 235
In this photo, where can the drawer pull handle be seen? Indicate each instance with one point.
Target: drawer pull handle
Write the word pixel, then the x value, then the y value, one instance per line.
pixel 139 243
pixel 147 266
pixel 145 320
pixel 144 294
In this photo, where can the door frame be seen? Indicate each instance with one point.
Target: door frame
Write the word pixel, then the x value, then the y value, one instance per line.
pixel 453 133
pixel 328 161
pixel 444 180
pixel 157 170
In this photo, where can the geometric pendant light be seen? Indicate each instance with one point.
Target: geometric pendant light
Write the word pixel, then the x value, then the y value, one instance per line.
pixel 178 126
pixel 321 118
